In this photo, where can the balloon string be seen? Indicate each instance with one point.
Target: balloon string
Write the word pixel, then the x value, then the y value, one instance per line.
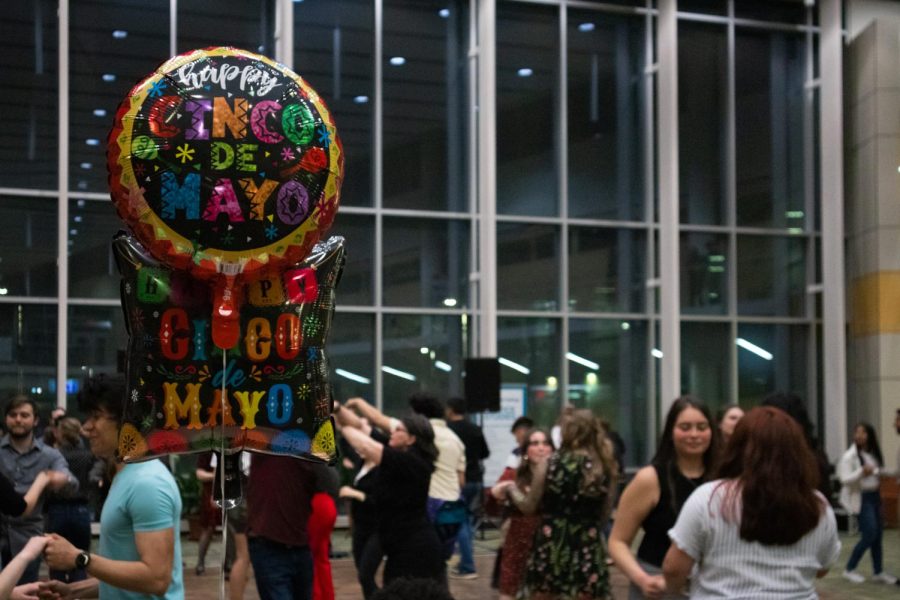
pixel 222 482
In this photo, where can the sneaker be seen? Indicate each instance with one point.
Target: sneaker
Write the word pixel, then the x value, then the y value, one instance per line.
pixel 454 574
pixel 885 578
pixel 853 576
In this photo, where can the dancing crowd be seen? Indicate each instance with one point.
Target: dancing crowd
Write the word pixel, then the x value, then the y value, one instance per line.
pixel 736 507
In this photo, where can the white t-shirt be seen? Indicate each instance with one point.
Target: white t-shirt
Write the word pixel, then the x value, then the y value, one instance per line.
pixel 729 567
pixel 450 461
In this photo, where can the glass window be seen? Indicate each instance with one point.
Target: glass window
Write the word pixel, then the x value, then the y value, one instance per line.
pixel 28 247
pixel 710 7
pixel 527 101
pixel 605 109
pixel 527 267
pixel 425 81
pixel 29 106
pixel 421 353
pixel 114 45
pixel 357 282
pixel 706 362
pixel 771 10
pixel 769 100
pixel 426 262
pixel 771 277
pixel 92 266
pixel 333 44
pixel 607 269
pixel 351 355
pixel 704 273
pixel 771 358
pixel 98 341
pixel 702 119
pixel 28 352
pixel 614 387
pixel 529 355
pixel 245 24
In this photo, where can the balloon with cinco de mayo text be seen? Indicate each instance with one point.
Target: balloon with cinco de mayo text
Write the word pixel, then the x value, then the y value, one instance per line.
pixel 225 164
pixel 276 389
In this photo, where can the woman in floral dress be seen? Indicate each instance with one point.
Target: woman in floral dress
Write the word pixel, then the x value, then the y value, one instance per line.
pixel 517 542
pixel 568 560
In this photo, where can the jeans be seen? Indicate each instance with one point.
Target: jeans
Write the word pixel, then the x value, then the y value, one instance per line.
pixel 870 528
pixel 282 572
pixel 471 493
pixel 73 522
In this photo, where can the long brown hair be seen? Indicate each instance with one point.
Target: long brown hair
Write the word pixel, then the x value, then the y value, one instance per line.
pixel 583 432
pixel 523 473
pixel 772 479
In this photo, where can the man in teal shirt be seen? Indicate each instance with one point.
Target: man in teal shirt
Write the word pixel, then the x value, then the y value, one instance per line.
pixel 140 548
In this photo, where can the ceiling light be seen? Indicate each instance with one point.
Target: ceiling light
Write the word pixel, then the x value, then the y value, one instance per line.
pixel 552 382
pixel 625 325
pixel 361 99
pixel 78 218
pixel 443 366
pixel 120 34
pixel 423 350
pixel 86 165
pixel 352 376
pixel 586 27
pixel 73 232
pixel 514 366
pixel 657 353
pixel 751 347
pixel 582 361
pixel 3 291
pixel 80 203
pixel 99 112
pixel 398 373
pixel 398 61
pixel 444 13
pixel 92 142
pixel 109 77
pixel 525 72
pixel 590 378
pixel 450 302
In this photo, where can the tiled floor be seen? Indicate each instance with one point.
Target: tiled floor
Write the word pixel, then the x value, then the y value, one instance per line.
pixel 832 587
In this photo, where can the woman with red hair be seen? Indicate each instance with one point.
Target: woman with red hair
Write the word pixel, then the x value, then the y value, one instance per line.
pixel 761 528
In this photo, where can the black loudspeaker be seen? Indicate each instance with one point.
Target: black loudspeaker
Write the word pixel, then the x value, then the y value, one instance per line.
pixel 482 385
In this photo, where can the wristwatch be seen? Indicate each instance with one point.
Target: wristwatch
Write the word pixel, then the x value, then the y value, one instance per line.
pixel 82 560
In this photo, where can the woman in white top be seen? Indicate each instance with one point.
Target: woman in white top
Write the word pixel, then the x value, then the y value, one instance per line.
pixel 859 471
pixel 760 530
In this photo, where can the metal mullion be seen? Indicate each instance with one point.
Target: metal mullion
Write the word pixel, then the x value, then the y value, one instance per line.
pixel 649 206
pixel 474 222
pixel 809 92
pixel 563 195
pixel 731 202
pixel 377 199
pixel 62 224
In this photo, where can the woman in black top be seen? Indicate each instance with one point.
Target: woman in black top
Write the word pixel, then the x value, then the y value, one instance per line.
pixel 400 490
pixel 684 459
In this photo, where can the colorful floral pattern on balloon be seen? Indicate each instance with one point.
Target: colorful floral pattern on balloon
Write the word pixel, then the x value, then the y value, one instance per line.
pixel 275 381
pixel 224 161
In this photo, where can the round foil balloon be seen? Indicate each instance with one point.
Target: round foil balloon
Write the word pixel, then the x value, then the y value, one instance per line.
pixel 225 162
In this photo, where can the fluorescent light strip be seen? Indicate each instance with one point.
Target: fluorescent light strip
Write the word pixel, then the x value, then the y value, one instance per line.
pixel 582 361
pixel 514 366
pixel 352 376
pixel 398 373
pixel 443 366
pixel 754 349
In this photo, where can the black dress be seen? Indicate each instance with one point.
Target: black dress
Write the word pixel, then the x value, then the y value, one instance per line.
pixel 408 539
pixel 11 503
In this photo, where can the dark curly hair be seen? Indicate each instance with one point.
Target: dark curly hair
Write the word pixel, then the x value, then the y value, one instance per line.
pixel 423 403
pixel 103 392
